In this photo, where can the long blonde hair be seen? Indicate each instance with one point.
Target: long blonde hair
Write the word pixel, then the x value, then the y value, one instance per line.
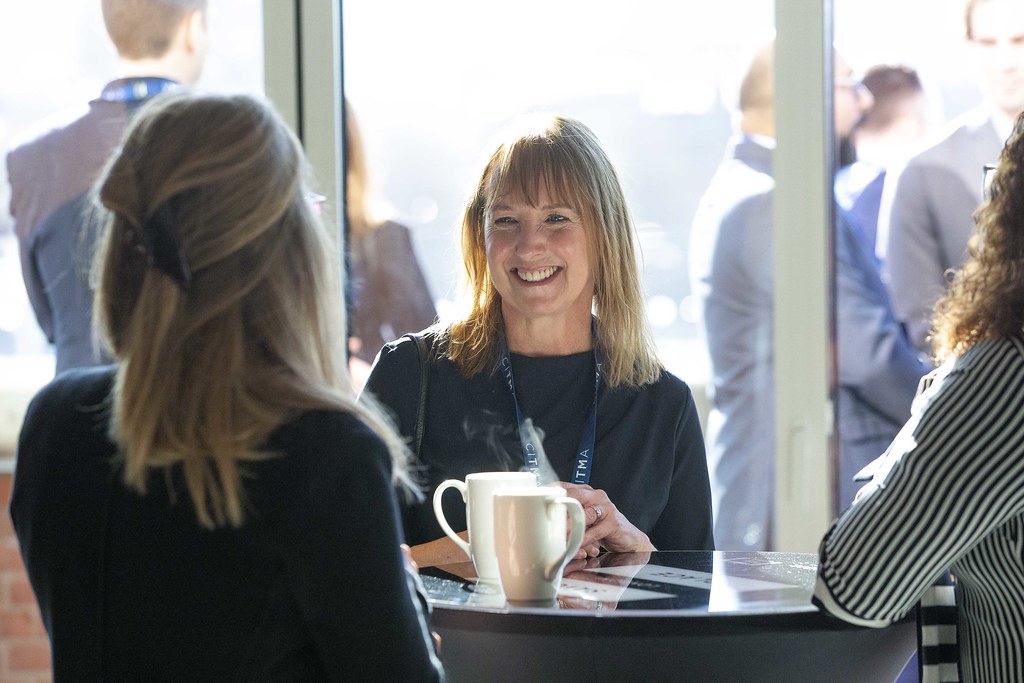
pixel 564 155
pixel 986 297
pixel 206 372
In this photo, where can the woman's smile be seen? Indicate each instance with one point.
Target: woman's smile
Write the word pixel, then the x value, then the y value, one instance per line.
pixel 536 276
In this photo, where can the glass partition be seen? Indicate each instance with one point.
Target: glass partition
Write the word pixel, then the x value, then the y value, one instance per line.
pixel 431 85
pixel 41 84
pixel 57 58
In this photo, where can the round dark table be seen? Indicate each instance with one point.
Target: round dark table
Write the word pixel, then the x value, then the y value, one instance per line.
pixel 662 616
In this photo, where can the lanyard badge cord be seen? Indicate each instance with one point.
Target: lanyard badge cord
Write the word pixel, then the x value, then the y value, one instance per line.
pixel 527 437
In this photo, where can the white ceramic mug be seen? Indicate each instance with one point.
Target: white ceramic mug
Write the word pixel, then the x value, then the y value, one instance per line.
pixel 530 527
pixel 477 493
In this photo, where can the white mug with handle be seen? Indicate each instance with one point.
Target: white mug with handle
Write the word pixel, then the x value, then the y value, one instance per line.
pixel 530 529
pixel 477 492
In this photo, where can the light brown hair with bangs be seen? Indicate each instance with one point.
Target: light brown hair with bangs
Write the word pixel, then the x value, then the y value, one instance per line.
pixel 565 156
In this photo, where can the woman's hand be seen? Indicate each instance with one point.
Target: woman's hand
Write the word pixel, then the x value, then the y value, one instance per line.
pixel 440 552
pixel 606 527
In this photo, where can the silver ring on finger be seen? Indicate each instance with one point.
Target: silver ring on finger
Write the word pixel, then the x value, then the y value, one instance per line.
pixel 598 513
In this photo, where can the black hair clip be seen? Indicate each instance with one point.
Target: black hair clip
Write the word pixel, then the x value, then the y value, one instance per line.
pixel 163 248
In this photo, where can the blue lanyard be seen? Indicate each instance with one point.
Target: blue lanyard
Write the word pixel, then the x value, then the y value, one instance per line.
pixel 585 451
pixel 136 89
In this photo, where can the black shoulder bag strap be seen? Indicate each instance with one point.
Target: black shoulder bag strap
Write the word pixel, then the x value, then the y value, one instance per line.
pixel 421 354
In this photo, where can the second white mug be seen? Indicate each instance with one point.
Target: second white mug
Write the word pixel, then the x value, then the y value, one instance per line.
pixel 530 528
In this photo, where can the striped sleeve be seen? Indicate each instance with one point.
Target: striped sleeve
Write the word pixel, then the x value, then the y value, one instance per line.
pixel 954 475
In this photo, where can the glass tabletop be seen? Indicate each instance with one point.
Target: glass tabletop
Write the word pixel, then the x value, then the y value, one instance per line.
pixel 694 582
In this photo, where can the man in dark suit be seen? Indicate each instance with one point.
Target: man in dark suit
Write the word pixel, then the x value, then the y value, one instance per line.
pixel 161 44
pixel 887 134
pixel 879 369
pixel 875 370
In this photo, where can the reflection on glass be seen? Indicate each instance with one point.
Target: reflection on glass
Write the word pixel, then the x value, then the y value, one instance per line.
pixel 485 595
pixel 599 583
pixel 645 80
pixel 695 582
pixel 48 86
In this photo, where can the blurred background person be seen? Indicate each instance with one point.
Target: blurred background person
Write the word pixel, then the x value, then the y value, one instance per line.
pixel 878 369
pixel 555 335
pixel 731 271
pixel 190 513
pixel 887 133
pixel 731 250
pixel 388 292
pixel 927 207
pixel 161 45
pixel 949 493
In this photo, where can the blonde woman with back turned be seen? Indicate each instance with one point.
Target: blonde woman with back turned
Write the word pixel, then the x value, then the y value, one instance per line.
pixel 190 513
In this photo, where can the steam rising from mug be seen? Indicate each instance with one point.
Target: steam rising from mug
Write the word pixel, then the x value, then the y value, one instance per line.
pixel 493 434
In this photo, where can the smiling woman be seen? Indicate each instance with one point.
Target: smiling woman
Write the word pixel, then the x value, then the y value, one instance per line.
pixel 553 291
pixel 539 256
pixel 544 165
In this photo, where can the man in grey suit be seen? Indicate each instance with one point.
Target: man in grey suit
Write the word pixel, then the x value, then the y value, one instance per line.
pixel 731 267
pixel 731 273
pixel 161 44
pixel 927 208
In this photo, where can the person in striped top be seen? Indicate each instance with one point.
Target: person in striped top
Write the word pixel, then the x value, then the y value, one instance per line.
pixel 948 494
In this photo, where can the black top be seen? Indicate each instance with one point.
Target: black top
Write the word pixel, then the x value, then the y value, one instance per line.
pixel 648 454
pixel 311 587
